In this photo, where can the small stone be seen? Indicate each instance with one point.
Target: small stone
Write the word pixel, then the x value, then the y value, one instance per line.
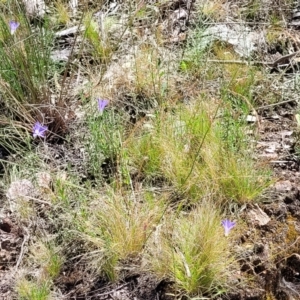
pixel 258 216
pixel 251 119
pixel 275 117
pixel 283 186
pixel 35 8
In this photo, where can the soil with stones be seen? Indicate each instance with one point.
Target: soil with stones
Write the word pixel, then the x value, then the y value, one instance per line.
pixel 269 248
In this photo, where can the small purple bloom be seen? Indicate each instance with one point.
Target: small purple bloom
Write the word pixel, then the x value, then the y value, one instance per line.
pixel 13 25
pixel 39 130
pixel 228 225
pixel 102 103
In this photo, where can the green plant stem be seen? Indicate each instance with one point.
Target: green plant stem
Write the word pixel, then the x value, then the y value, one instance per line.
pixel 200 146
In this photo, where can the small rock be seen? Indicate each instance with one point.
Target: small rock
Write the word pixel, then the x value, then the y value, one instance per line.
pixel 251 119
pixel 61 55
pixel 69 31
pixel 283 186
pixel 258 216
pixel 275 117
pixel 35 8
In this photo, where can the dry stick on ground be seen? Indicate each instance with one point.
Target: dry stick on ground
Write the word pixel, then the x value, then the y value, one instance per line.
pixel 275 104
pixel 38 200
pixel 113 290
pixel 25 240
pixel 286 59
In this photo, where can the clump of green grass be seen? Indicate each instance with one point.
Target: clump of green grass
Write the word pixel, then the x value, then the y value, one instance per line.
pixel 195 55
pixel 30 290
pixel 117 227
pixel 25 59
pixel 186 147
pixel 191 250
pixel 101 46
pixel 28 89
pixel 48 260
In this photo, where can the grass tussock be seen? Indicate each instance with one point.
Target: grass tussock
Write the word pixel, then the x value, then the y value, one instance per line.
pixel 32 290
pixel 120 226
pixel 186 147
pixel 27 79
pixel 191 249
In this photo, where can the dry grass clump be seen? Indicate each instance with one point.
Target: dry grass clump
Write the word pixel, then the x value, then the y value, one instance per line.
pixel 139 80
pixel 62 13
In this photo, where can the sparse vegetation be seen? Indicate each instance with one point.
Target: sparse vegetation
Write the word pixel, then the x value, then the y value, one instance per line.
pixel 124 158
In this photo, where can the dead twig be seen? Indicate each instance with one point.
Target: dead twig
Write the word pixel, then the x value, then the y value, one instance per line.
pixel 275 104
pixel 112 291
pixel 25 240
pixel 284 60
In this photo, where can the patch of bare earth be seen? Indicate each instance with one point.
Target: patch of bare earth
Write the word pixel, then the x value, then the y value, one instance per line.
pixel 269 246
pixel 11 243
pixel 76 285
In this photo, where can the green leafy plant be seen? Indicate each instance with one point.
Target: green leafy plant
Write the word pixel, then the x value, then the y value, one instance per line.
pixel 106 131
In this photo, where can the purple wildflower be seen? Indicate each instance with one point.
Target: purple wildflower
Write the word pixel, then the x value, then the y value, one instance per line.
pixel 39 130
pixel 228 225
pixel 102 103
pixel 13 25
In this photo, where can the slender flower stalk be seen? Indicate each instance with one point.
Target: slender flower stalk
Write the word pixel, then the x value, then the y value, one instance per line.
pixel 102 103
pixel 39 130
pixel 13 26
pixel 228 225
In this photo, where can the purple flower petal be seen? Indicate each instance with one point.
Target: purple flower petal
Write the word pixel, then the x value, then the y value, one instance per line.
pixel 39 130
pixel 228 225
pixel 102 103
pixel 13 25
